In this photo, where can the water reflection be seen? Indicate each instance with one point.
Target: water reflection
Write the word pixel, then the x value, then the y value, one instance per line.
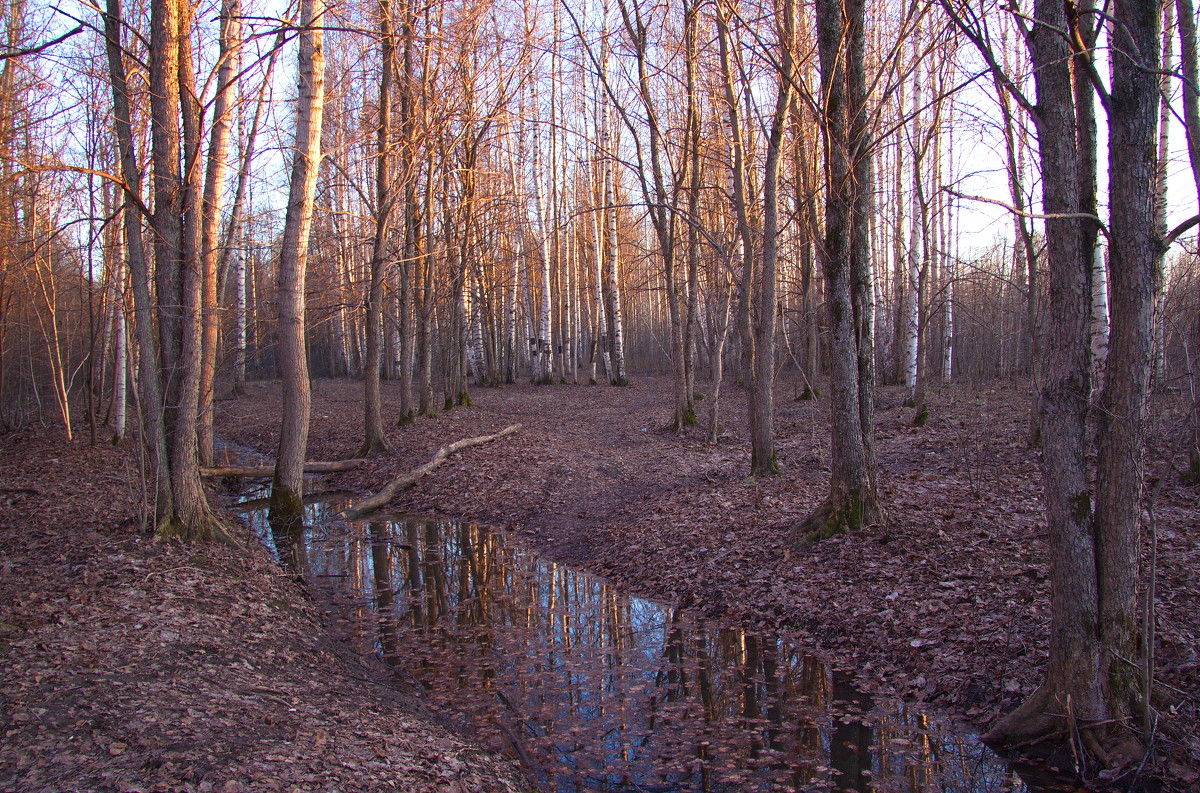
pixel 596 690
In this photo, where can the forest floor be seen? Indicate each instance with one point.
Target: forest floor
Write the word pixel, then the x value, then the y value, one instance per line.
pixel 947 605
pixel 133 664
pixel 130 664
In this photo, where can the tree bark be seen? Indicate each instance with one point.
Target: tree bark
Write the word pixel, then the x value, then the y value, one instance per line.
pixel 1073 675
pixel 287 491
pixel 852 501
pixel 268 471
pixel 149 384
pixel 214 193
pixel 374 440
pixel 1121 435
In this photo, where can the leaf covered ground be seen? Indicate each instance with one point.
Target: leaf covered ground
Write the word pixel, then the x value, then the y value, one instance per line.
pixel 134 664
pixel 948 604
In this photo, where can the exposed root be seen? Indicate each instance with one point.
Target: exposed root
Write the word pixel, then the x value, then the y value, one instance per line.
pixel 200 528
pixel 373 446
pixel 835 516
pixel 1111 743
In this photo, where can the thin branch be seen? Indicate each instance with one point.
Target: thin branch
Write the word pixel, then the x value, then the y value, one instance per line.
pixel 1033 215
pixel 39 48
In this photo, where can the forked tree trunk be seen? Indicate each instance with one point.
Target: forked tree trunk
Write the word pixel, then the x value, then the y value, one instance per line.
pixel 1121 436
pixel 177 260
pixel 1092 673
pixel 852 501
pixel 287 491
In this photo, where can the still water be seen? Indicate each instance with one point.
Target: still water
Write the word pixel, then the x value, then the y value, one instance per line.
pixel 596 690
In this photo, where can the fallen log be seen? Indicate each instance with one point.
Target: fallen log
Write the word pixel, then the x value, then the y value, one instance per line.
pixel 269 470
pixel 380 499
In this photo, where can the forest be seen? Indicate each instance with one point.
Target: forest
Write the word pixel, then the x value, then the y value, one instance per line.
pixel 376 376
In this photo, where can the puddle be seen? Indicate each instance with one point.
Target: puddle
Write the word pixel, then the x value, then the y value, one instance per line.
pixel 596 690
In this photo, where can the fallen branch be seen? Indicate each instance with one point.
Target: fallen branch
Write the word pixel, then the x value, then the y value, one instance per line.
pixel 372 503
pixel 269 470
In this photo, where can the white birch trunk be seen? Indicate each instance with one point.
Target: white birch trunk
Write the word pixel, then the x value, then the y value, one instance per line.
pixel 1099 324
pixel 475 328
pixel 241 337
pixel 949 262
pixel 909 306
pixel 600 337
pixel 510 328
pixel 541 352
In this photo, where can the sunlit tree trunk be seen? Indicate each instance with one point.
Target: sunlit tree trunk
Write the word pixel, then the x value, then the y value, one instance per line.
pixel 178 258
pixel 149 385
pixel 223 108
pixel 287 491
pixel 374 440
pixel 618 375
pixel 120 372
pixel 542 367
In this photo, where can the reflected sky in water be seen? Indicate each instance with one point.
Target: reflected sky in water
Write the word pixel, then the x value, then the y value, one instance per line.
pixel 596 690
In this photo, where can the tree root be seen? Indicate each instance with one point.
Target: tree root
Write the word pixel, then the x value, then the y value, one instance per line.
pixel 1111 742
pixel 839 515
pixel 373 446
pixel 200 528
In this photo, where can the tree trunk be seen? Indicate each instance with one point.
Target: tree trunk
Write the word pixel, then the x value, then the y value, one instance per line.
pixel 150 386
pixel 223 107
pixel 861 139
pixel 762 400
pixel 852 501
pixel 1121 435
pixel 1072 689
pixel 374 440
pixel 287 491
pixel 1186 17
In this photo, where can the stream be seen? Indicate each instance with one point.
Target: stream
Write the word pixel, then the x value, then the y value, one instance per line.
pixel 593 689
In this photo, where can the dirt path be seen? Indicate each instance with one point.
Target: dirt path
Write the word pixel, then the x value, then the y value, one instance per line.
pixel 947 605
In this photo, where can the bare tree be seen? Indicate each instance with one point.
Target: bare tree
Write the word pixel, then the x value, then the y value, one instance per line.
pixel 287 491
pixel 853 499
